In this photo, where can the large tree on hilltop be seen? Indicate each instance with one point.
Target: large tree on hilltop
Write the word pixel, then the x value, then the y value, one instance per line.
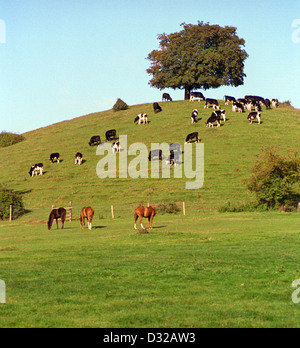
pixel 199 56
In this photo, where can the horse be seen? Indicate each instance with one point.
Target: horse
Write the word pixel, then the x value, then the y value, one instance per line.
pixel 88 213
pixel 147 212
pixel 56 214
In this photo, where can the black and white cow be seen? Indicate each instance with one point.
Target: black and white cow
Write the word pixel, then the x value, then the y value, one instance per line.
pixel 155 154
pixel 166 97
pixel 111 135
pixel 254 115
pixel 229 99
pixel 211 102
pixel 54 156
pixel 95 140
pixel 78 158
pixel 236 106
pixel 261 100
pixel 36 168
pixel 175 152
pixel 192 137
pixel 141 118
pixel 253 104
pixel 194 116
pixel 221 113
pixel 116 147
pixel 196 96
pixel 275 103
pixel 156 108
pixel 212 119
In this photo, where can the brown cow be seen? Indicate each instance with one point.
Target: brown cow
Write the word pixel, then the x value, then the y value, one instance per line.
pixel 147 212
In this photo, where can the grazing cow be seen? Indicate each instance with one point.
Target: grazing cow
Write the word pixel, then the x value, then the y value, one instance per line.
pixel 237 106
pixel 194 116
pixel 267 104
pixel 116 147
pixel 229 99
pixel 193 137
pixel 166 97
pixel 155 154
pixel 253 104
pixel 254 115
pixel 255 98
pixel 196 95
pixel 175 152
pixel 56 214
pixel 211 102
pixel 221 113
pixel 111 135
pixel 54 156
pixel 141 118
pixel 95 140
pixel 242 101
pixel 275 103
pixel 78 158
pixel 86 213
pixel 213 118
pixel 156 108
pixel 35 168
pixel 144 212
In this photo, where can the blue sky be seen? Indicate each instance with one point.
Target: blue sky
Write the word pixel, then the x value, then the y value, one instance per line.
pixel 62 59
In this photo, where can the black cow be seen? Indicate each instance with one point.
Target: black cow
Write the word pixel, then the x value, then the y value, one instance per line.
pixel 267 104
pixel 35 168
pixel 196 95
pixel 254 115
pixel 156 108
pixel 213 118
pixel 192 137
pixel 255 98
pixel 166 97
pixel 95 140
pixel 194 116
pixel 78 158
pixel 111 135
pixel 155 153
pixel 54 156
pixel 211 102
pixel 229 99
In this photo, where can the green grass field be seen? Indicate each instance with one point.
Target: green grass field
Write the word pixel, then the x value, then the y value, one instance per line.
pixel 205 269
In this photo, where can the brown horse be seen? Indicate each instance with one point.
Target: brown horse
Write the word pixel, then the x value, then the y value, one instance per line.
pixel 147 212
pixel 56 214
pixel 88 213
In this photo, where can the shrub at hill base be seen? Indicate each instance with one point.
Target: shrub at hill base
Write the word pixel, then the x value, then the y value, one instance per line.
pixel 120 105
pixel 7 198
pixel 273 176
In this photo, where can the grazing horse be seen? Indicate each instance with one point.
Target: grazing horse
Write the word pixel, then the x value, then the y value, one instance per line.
pixel 88 213
pixel 56 214
pixel 147 212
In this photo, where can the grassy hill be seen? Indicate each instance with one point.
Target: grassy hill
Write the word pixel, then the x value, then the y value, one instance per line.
pixel 229 154
pixel 205 269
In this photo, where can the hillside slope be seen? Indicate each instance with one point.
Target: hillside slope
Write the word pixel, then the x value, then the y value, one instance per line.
pixel 229 154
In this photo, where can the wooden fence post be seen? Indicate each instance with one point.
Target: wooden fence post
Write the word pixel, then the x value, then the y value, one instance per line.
pixel 10 212
pixel 112 211
pixel 183 208
pixel 70 212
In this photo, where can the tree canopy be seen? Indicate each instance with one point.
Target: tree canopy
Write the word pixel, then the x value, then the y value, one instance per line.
pixel 199 56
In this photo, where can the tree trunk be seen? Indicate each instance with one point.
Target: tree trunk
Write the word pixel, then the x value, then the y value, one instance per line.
pixel 187 93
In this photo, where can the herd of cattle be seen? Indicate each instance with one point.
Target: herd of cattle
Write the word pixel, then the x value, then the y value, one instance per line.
pixel 249 103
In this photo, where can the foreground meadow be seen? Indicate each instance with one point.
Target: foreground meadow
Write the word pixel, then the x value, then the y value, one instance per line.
pixel 210 270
